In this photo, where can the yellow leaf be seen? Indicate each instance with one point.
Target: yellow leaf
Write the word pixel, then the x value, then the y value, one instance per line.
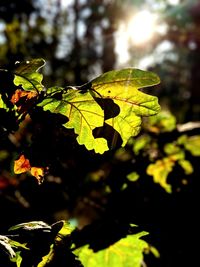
pixel 160 170
pixel 21 165
pixel 38 173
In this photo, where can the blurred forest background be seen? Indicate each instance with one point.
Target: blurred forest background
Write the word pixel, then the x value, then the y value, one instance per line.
pixel 79 40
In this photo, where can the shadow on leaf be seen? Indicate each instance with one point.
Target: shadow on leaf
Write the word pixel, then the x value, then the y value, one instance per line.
pixel 106 131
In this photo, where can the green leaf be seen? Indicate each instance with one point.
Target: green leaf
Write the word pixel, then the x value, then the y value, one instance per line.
pixel 17 259
pixel 162 122
pixel 8 245
pixel 66 229
pixel 87 109
pixel 160 170
pixel 193 145
pixel 127 252
pixel 180 155
pixel 122 87
pixel 84 116
pixel 47 258
pixel 27 76
pixel 154 251
pixel 2 104
pixel 16 244
pixel 29 66
pixel 140 143
pixel 182 139
pixel 186 165
pixel 171 148
pixel 133 176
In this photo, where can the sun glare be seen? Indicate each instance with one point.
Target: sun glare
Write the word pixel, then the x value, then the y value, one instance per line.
pixel 137 31
pixel 141 27
pixel 173 2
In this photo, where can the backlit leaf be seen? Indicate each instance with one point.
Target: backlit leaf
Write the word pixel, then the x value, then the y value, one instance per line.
pixel 193 145
pixel 29 66
pixel 66 229
pixel 30 226
pixel 17 258
pixel 140 143
pixel 84 116
pixel 47 258
pixel 162 122
pixel 27 76
pixel 160 170
pixel 127 252
pixel 154 251
pixel 21 165
pixel 11 248
pixel 6 246
pixel 171 148
pixel 122 87
pixel 19 94
pixel 133 176
pixel 2 104
pixel 182 139
pixel 86 107
pixel 16 244
pixel 186 165
pixel 38 173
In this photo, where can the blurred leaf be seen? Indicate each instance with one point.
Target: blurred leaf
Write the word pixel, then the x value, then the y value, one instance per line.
pixel 6 246
pixel 27 76
pixel 29 226
pixel 17 259
pixel 182 139
pixel 3 154
pixel 160 170
pixel 122 154
pixel 127 252
pixel 171 148
pixel 162 122
pixel 186 165
pixel 177 156
pixel 29 66
pixel 140 143
pixel 2 104
pixel 193 145
pixel 17 244
pixel 133 176
pixel 154 251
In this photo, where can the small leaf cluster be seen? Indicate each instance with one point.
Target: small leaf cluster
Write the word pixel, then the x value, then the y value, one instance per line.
pixel 166 146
